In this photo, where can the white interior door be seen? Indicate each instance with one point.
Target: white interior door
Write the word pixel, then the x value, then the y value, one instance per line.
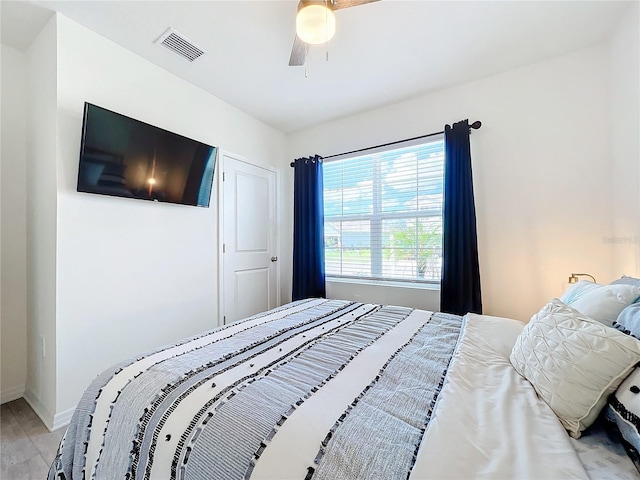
pixel 250 272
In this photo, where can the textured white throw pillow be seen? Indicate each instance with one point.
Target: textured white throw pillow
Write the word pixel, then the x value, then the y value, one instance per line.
pixel 600 302
pixel 573 362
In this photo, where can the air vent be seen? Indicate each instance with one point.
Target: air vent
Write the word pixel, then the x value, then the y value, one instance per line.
pixel 180 45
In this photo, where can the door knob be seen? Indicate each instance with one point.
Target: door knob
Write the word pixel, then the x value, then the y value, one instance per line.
pixel 274 259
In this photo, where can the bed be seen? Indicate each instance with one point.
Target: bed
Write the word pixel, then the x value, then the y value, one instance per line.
pixel 330 389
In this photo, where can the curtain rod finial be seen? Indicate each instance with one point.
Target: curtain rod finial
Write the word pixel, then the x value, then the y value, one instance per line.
pixel 476 125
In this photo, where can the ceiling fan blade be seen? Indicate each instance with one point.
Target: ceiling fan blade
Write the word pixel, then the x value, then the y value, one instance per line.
pixel 339 4
pixel 298 52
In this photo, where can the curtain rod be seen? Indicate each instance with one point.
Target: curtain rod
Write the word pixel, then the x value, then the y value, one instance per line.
pixel 475 125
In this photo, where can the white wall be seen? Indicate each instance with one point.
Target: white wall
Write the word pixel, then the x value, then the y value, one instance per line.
pixel 133 275
pixel 41 224
pixel 625 114
pixel 106 278
pixel 13 279
pixel 425 298
pixel 541 173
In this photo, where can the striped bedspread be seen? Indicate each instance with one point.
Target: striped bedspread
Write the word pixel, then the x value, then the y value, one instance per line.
pixel 316 389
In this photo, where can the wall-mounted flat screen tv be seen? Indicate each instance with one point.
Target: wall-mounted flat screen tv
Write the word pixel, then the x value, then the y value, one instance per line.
pixel 124 157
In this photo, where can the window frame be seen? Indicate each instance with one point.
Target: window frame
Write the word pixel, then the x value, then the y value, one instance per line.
pixel 376 218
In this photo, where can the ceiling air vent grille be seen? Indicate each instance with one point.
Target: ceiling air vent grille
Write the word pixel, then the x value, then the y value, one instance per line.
pixel 180 45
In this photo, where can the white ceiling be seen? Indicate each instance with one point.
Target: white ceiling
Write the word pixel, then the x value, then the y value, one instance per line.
pixel 382 53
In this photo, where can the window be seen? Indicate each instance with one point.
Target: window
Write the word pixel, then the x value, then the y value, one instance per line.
pixel 383 214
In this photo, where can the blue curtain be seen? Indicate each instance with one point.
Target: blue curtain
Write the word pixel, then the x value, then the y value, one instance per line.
pixel 460 285
pixel 308 229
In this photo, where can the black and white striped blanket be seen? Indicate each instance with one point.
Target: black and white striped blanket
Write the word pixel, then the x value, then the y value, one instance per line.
pixel 316 389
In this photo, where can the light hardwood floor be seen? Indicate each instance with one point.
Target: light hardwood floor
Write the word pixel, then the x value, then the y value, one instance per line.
pixel 27 448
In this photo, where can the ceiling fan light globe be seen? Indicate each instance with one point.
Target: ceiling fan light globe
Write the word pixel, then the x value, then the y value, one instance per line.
pixel 315 24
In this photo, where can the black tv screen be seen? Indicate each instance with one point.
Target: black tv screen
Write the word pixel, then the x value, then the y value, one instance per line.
pixel 125 157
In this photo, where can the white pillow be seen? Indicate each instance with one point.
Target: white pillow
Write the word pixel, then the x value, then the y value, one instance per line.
pixel 600 302
pixel 576 290
pixel 573 362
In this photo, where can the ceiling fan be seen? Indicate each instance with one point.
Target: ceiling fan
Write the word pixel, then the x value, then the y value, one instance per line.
pixel 316 24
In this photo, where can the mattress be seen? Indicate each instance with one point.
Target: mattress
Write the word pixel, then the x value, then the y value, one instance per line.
pixel 322 389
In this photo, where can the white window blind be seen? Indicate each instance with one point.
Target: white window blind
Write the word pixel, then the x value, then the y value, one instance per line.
pixel 383 214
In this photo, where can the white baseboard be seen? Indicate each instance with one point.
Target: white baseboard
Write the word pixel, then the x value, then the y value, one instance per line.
pixel 40 409
pixel 11 394
pixel 52 422
pixel 62 419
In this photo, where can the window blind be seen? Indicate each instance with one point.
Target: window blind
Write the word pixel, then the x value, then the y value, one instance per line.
pixel 383 214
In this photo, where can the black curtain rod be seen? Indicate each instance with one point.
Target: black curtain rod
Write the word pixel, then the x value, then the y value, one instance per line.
pixel 475 125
